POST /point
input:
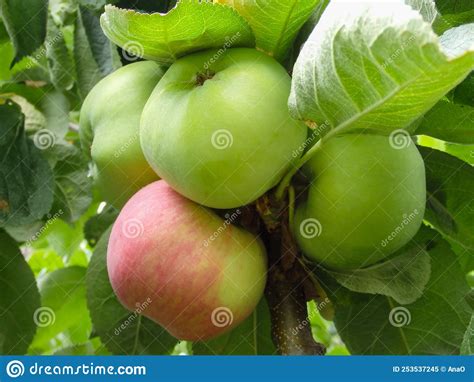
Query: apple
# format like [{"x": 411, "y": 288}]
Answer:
[
  {"x": 109, "y": 130},
  {"x": 365, "y": 201},
  {"x": 217, "y": 126},
  {"x": 190, "y": 271}
]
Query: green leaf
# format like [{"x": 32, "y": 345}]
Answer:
[
  {"x": 25, "y": 22},
  {"x": 26, "y": 180},
  {"x": 426, "y": 8},
  {"x": 92, "y": 347},
  {"x": 73, "y": 187},
  {"x": 467, "y": 346},
  {"x": 64, "y": 308},
  {"x": 251, "y": 337},
  {"x": 18, "y": 301},
  {"x": 456, "y": 41},
  {"x": 189, "y": 27},
  {"x": 450, "y": 203},
  {"x": 121, "y": 331},
  {"x": 375, "y": 68},
  {"x": 449, "y": 122},
  {"x": 434, "y": 324},
  {"x": 275, "y": 23},
  {"x": 104, "y": 53},
  {"x": 464, "y": 92},
  {"x": 59, "y": 61},
  {"x": 450, "y": 6},
  {"x": 87, "y": 69},
  {"x": 403, "y": 277},
  {"x": 98, "y": 224},
  {"x": 445, "y": 22}
]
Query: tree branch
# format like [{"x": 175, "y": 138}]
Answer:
[{"x": 287, "y": 284}]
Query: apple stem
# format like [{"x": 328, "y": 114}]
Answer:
[
  {"x": 285, "y": 182},
  {"x": 287, "y": 284}
]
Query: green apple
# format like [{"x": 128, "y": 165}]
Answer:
[
  {"x": 217, "y": 126},
  {"x": 192, "y": 272},
  {"x": 366, "y": 200},
  {"x": 109, "y": 130}
]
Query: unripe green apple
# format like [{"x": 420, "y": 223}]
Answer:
[
  {"x": 109, "y": 131},
  {"x": 217, "y": 126},
  {"x": 190, "y": 271},
  {"x": 365, "y": 201}
]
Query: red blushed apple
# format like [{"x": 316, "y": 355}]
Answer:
[{"x": 182, "y": 266}]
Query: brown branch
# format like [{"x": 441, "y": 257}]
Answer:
[{"x": 287, "y": 284}]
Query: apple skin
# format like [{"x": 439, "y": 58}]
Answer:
[
  {"x": 109, "y": 130},
  {"x": 222, "y": 141},
  {"x": 362, "y": 189},
  {"x": 160, "y": 249}
]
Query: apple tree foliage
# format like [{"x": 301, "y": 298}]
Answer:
[{"x": 364, "y": 67}]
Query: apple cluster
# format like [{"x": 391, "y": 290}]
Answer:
[{"x": 169, "y": 148}]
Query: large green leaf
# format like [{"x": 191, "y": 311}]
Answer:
[
  {"x": 367, "y": 66},
  {"x": 93, "y": 56},
  {"x": 275, "y": 23},
  {"x": 59, "y": 61},
  {"x": 25, "y": 21},
  {"x": 19, "y": 299},
  {"x": 449, "y": 122},
  {"x": 403, "y": 277},
  {"x": 26, "y": 180},
  {"x": 434, "y": 324},
  {"x": 189, "y": 27},
  {"x": 121, "y": 331},
  {"x": 64, "y": 308},
  {"x": 251, "y": 337},
  {"x": 467, "y": 346},
  {"x": 450, "y": 204},
  {"x": 73, "y": 186}
]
